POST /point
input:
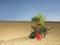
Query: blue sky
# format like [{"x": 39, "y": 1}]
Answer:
[{"x": 24, "y": 10}]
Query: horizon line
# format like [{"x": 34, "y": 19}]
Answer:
[{"x": 21, "y": 21}]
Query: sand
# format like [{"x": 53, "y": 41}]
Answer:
[{"x": 16, "y": 33}]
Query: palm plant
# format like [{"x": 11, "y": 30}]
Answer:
[
  {"x": 39, "y": 22},
  {"x": 40, "y": 19}
]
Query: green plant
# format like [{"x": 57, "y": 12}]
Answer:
[
  {"x": 39, "y": 22},
  {"x": 40, "y": 19}
]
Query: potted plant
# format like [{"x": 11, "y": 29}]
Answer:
[{"x": 38, "y": 28}]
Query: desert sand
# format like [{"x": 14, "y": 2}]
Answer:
[{"x": 16, "y": 33}]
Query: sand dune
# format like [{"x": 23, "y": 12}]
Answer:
[{"x": 16, "y": 33}]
